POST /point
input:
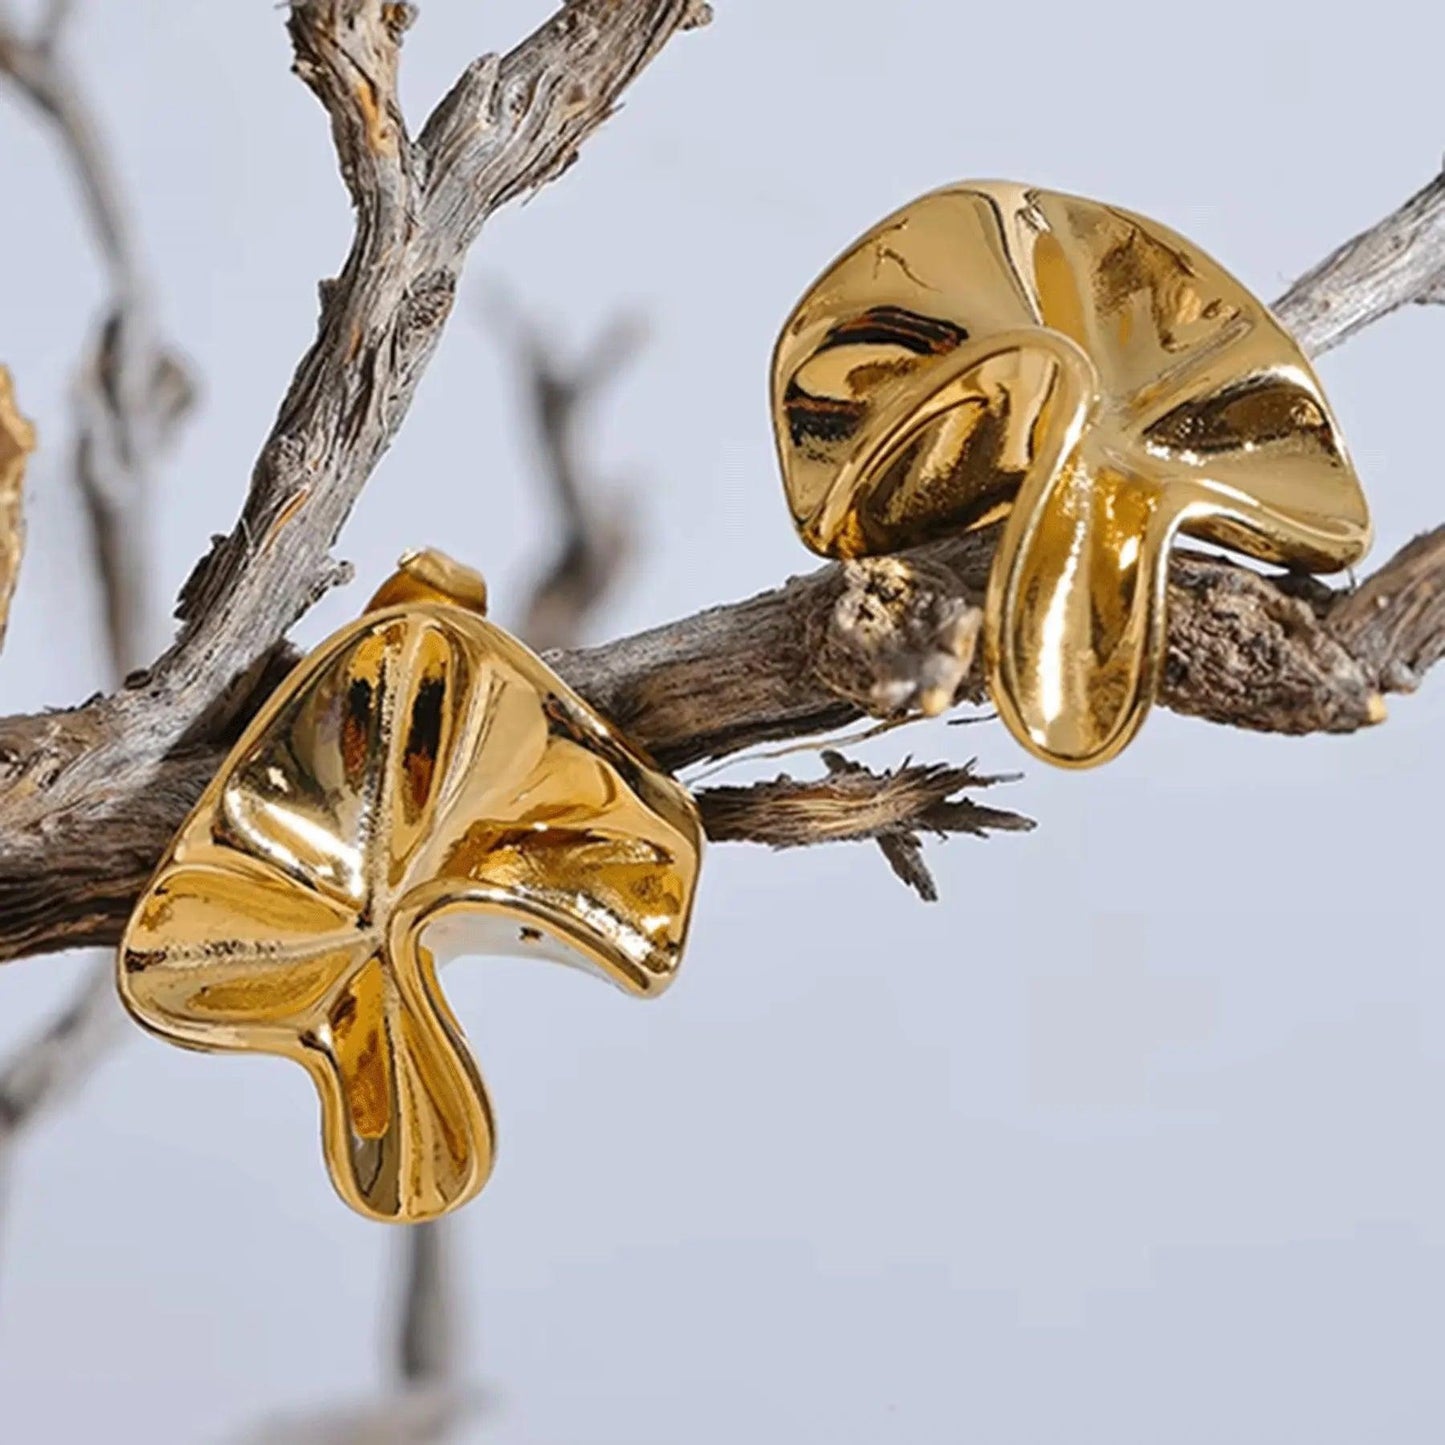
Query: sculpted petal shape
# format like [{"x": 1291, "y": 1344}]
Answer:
[
  {"x": 999, "y": 351},
  {"x": 421, "y": 786}
]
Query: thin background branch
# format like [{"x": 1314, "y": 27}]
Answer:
[
  {"x": 596, "y": 523},
  {"x": 132, "y": 389},
  {"x": 595, "y": 541},
  {"x": 431, "y": 1396},
  {"x": 129, "y": 397}
]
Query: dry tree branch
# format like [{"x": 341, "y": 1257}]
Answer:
[
  {"x": 1399, "y": 262},
  {"x": 1243, "y": 650},
  {"x": 89, "y": 797},
  {"x": 854, "y": 804},
  {"x": 508, "y": 126},
  {"x": 129, "y": 397}
]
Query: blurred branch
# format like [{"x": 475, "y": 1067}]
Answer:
[
  {"x": 428, "y": 1401},
  {"x": 37, "y": 66},
  {"x": 595, "y": 536},
  {"x": 595, "y": 543},
  {"x": 47, "y": 1069},
  {"x": 416, "y": 1418},
  {"x": 129, "y": 397},
  {"x": 427, "y": 1352},
  {"x": 132, "y": 390}
]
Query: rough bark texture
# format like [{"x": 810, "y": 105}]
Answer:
[
  {"x": 508, "y": 126},
  {"x": 1243, "y": 650},
  {"x": 89, "y": 796},
  {"x": 853, "y": 804}
]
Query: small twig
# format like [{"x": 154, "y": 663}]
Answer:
[{"x": 853, "y": 804}]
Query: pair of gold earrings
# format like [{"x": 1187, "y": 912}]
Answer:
[{"x": 423, "y": 785}]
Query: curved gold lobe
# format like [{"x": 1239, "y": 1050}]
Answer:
[
  {"x": 421, "y": 786},
  {"x": 426, "y": 575},
  {"x": 992, "y": 350}
]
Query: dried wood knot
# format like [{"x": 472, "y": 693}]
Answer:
[{"x": 901, "y": 637}]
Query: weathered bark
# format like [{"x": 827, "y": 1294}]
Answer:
[{"x": 90, "y": 796}]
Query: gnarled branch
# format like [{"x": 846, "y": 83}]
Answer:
[
  {"x": 418, "y": 204},
  {"x": 1243, "y": 650},
  {"x": 89, "y": 797}
]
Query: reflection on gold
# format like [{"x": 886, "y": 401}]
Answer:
[
  {"x": 995, "y": 349},
  {"x": 420, "y": 781}
]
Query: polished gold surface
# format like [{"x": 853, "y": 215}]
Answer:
[
  {"x": 998, "y": 350},
  {"x": 421, "y": 786}
]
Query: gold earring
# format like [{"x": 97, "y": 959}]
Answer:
[
  {"x": 999, "y": 351},
  {"x": 420, "y": 785}
]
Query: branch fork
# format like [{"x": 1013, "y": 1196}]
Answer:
[{"x": 90, "y": 796}]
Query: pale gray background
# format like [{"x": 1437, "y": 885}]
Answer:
[{"x": 1133, "y": 1139}]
